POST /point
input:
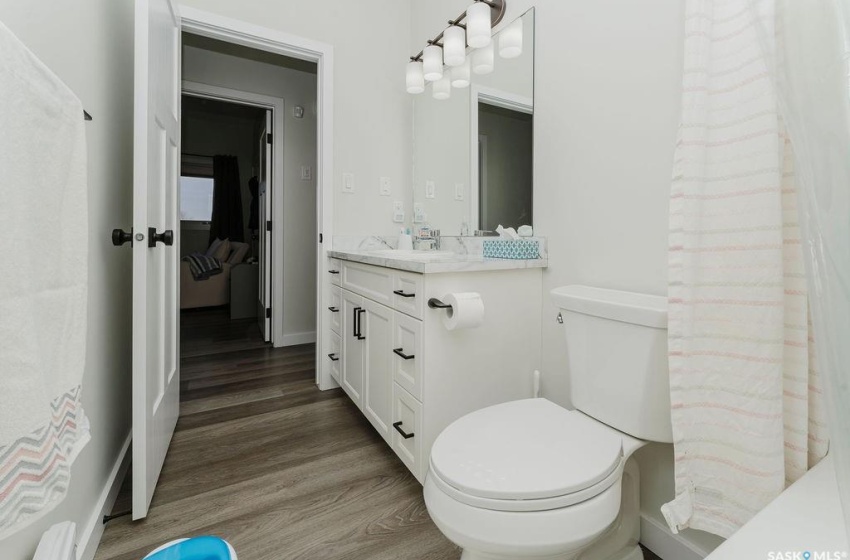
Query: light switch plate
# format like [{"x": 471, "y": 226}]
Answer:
[
  {"x": 306, "y": 173},
  {"x": 386, "y": 186},
  {"x": 419, "y": 215},
  {"x": 430, "y": 189},
  {"x": 458, "y": 191},
  {"x": 348, "y": 182}
]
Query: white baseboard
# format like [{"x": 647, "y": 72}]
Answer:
[
  {"x": 297, "y": 338},
  {"x": 657, "y": 537},
  {"x": 93, "y": 531}
]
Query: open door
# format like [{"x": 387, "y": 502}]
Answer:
[
  {"x": 264, "y": 303},
  {"x": 156, "y": 151}
]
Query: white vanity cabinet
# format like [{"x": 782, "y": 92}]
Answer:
[{"x": 408, "y": 374}]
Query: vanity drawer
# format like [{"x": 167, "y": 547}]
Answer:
[
  {"x": 334, "y": 310},
  {"x": 407, "y": 431},
  {"x": 409, "y": 354},
  {"x": 409, "y": 293},
  {"x": 373, "y": 282},
  {"x": 334, "y": 271},
  {"x": 335, "y": 355}
]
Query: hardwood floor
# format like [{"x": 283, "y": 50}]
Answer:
[
  {"x": 281, "y": 470},
  {"x": 278, "y": 468}
]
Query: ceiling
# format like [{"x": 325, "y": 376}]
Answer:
[{"x": 222, "y": 47}]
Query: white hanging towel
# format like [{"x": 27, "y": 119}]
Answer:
[
  {"x": 43, "y": 285},
  {"x": 747, "y": 418}
]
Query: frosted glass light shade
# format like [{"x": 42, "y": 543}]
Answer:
[
  {"x": 478, "y": 28},
  {"x": 454, "y": 46},
  {"x": 432, "y": 63},
  {"x": 442, "y": 88},
  {"x": 483, "y": 60},
  {"x": 461, "y": 77},
  {"x": 510, "y": 40},
  {"x": 415, "y": 77}
]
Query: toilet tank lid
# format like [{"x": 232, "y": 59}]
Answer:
[{"x": 628, "y": 307}]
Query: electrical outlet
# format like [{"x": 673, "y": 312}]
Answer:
[
  {"x": 430, "y": 189},
  {"x": 348, "y": 182},
  {"x": 398, "y": 206},
  {"x": 458, "y": 191},
  {"x": 419, "y": 215},
  {"x": 306, "y": 173},
  {"x": 386, "y": 186}
]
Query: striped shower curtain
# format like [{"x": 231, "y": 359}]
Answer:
[{"x": 746, "y": 397}]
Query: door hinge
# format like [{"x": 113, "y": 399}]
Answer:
[
  {"x": 268, "y": 313},
  {"x": 268, "y": 225},
  {"x": 321, "y": 237},
  {"x": 269, "y": 137}
]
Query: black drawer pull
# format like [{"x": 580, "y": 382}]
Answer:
[
  {"x": 405, "y": 435},
  {"x": 333, "y": 272},
  {"x": 402, "y": 294},
  {"x": 333, "y": 357},
  {"x": 333, "y": 309},
  {"x": 400, "y": 353}
]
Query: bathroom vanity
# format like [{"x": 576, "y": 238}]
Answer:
[{"x": 394, "y": 357}]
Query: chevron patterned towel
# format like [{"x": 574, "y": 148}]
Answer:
[{"x": 43, "y": 289}]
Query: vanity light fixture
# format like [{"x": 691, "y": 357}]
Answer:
[
  {"x": 449, "y": 47},
  {"x": 432, "y": 63},
  {"x": 483, "y": 60},
  {"x": 461, "y": 77},
  {"x": 415, "y": 77},
  {"x": 510, "y": 40}
]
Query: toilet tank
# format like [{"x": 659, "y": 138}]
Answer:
[{"x": 617, "y": 358}]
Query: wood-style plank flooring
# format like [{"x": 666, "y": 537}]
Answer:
[{"x": 281, "y": 470}]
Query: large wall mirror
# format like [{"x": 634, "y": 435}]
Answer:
[{"x": 473, "y": 152}]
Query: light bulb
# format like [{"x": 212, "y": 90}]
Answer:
[
  {"x": 483, "y": 60},
  {"x": 478, "y": 25},
  {"x": 432, "y": 63},
  {"x": 510, "y": 40},
  {"x": 415, "y": 78},
  {"x": 454, "y": 46}
]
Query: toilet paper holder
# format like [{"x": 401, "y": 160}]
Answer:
[{"x": 434, "y": 303}]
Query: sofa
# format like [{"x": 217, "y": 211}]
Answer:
[{"x": 215, "y": 290}]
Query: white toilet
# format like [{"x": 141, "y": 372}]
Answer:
[{"x": 530, "y": 479}]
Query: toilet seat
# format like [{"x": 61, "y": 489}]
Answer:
[{"x": 527, "y": 455}]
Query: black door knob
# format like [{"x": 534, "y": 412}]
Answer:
[
  {"x": 166, "y": 237},
  {"x": 120, "y": 237}
]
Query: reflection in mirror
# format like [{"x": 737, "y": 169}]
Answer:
[{"x": 461, "y": 185}]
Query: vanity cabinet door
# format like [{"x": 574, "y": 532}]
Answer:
[
  {"x": 353, "y": 344},
  {"x": 377, "y": 394}
]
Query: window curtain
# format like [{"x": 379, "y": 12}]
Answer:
[
  {"x": 227, "y": 200},
  {"x": 808, "y": 44},
  {"x": 746, "y": 392}
]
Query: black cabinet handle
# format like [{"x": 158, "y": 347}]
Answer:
[
  {"x": 333, "y": 309},
  {"x": 356, "y": 331},
  {"x": 333, "y": 272},
  {"x": 402, "y": 294},
  {"x": 360, "y": 335},
  {"x": 405, "y": 435},
  {"x": 400, "y": 352},
  {"x": 333, "y": 357}
]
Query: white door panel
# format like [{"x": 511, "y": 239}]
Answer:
[{"x": 156, "y": 366}]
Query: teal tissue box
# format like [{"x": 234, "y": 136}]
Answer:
[{"x": 521, "y": 249}]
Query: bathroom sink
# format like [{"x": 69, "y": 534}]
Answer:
[{"x": 413, "y": 255}]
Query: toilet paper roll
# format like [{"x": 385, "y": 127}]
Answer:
[{"x": 467, "y": 311}]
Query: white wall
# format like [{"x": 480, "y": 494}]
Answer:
[
  {"x": 299, "y": 141},
  {"x": 372, "y": 116},
  {"x": 607, "y": 95},
  {"x": 88, "y": 44}
]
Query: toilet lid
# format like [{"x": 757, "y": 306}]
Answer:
[{"x": 525, "y": 450}]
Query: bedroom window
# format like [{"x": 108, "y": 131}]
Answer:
[{"x": 196, "y": 198}]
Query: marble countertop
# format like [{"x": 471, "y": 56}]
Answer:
[{"x": 448, "y": 263}]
